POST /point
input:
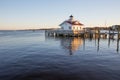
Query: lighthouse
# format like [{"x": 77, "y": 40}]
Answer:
[{"x": 71, "y": 24}]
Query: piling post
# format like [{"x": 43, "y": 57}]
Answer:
[
  {"x": 118, "y": 29},
  {"x": 109, "y": 32}
]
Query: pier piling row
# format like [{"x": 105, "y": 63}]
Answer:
[{"x": 70, "y": 33}]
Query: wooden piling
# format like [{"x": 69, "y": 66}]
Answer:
[{"x": 84, "y": 34}]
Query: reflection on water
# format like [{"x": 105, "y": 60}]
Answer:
[
  {"x": 98, "y": 42},
  {"x": 117, "y": 45},
  {"x": 72, "y": 44}
]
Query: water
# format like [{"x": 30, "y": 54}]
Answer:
[{"x": 28, "y": 55}]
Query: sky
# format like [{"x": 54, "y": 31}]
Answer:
[{"x": 35, "y": 14}]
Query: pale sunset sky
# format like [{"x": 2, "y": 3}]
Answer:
[{"x": 35, "y": 14}]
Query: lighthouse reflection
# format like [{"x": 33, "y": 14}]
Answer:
[{"x": 71, "y": 44}]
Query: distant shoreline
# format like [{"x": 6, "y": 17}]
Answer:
[{"x": 31, "y": 29}]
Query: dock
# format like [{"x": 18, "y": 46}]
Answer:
[
  {"x": 77, "y": 33},
  {"x": 82, "y": 33}
]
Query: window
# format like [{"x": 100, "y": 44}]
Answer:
[
  {"x": 69, "y": 27},
  {"x": 62, "y": 27},
  {"x": 73, "y": 27},
  {"x": 77, "y": 28}
]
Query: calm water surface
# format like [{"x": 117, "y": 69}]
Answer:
[{"x": 28, "y": 55}]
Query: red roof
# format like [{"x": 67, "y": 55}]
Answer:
[{"x": 74, "y": 23}]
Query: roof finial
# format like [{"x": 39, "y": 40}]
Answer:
[
  {"x": 71, "y": 18},
  {"x": 71, "y": 15}
]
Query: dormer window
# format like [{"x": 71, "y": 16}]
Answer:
[
  {"x": 69, "y": 27},
  {"x": 76, "y": 22}
]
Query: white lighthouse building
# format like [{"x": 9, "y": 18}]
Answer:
[{"x": 71, "y": 24}]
